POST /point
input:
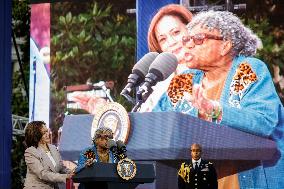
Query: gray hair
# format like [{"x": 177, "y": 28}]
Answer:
[
  {"x": 244, "y": 41},
  {"x": 100, "y": 131}
]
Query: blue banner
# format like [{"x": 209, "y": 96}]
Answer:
[{"x": 5, "y": 99}]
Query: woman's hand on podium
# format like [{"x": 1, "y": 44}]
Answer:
[{"x": 90, "y": 162}]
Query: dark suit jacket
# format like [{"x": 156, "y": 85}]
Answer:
[
  {"x": 204, "y": 177},
  {"x": 40, "y": 171}
]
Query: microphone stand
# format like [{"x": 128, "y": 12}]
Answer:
[
  {"x": 128, "y": 97},
  {"x": 131, "y": 82},
  {"x": 145, "y": 89},
  {"x": 141, "y": 98},
  {"x": 137, "y": 106},
  {"x": 102, "y": 86},
  {"x": 107, "y": 92}
]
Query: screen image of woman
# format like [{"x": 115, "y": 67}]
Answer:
[
  {"x": 165, "y": 33},
  {"x": 235, "y": 89}
]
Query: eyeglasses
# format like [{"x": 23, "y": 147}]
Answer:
[{"x": 199, "y": 38}]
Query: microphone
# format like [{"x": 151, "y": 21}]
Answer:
[
  {"x": 112, "y": 146},
  {"x": 121, "y": 146},
  {"x": 103, "y": 86},
  {"x": 121, "y": 149},
  {"x": 161, "y": 68},
  {"x": 118, "y": 148},
  {"x": 139, "y": 71}
]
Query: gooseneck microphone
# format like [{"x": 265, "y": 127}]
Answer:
[
  {"x": 139, "y": 71},
  {"x": 161, "y": 68},
  {"x": 112, "y": 146},
  {"x": 118, "y": 148},
  {"x": 121, "y": 150}
]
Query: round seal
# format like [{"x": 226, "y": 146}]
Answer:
[
  {"x": 114, "y": 116},
  {"x": 126, "y": 169}
]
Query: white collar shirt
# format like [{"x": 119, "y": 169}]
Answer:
[{"x": 194, "y": 162}]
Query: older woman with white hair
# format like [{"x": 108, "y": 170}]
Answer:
[
  {"x": 99, "y": 152},
  {"x": 235, "y": 90}
]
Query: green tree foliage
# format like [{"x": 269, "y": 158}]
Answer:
[
  {"x": 93, "y": 43},
  {"x": 96, "y": 44},
  {"x": 272, "y": 52},
  {"x": 20, "y": 27}
]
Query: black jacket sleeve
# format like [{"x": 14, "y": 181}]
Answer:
[{"x": 181, "y": 183}]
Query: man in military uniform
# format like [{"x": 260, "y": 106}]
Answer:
[{"x": 197, "y": 173}]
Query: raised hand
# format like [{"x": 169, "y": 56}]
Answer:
[{"x": 88, "y": 102}]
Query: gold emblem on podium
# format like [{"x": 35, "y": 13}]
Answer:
[
  {"x": 126, "y": 169},
  {"x": 114, "y": 116}
]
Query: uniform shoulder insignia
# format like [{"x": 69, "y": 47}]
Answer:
[
  {"x": 182, "y": 165},
  {"x": 184, "y": 172}
]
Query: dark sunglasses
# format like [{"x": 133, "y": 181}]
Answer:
[{"x": 199, "y": 38}]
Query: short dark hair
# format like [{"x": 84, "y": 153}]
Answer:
[{"x": 33, "y": 133}]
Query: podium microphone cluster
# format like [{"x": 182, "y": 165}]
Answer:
[
  {"x": 118, "y": 148},
  {"x": 137, "y": 76},
  {"x": 160, "y": 69}
]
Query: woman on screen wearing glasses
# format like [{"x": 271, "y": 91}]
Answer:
[{"x": 236, "y": 89}]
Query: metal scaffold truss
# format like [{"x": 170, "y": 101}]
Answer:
[{"x": 19, "y": 123}]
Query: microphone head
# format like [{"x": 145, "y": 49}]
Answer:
[
  {"x": 164, "y": 65},
  {"x": 111, "y": 144},
  {"x": 121, "y": 149},
  {"x": 142, "y": 66},
  {"x": 120, "y": 144}
]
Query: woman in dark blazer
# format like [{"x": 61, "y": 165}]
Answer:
[{"x": 44, "y": 165}]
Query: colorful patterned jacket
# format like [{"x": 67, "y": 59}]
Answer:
[{"x": 91, "y": 153}]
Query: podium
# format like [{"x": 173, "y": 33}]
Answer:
[
  {"x": 163, "y": 138},
  {"x": 104, "y": 176}
]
